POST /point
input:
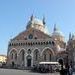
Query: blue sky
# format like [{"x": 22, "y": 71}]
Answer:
[{"x": 14, "y": 15}]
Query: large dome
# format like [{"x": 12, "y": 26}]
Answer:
[
  {"x": 36, "y": 24},
  {"x": 36, "y": 21}
]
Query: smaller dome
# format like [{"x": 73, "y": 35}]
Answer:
[{"x": 56, "y": 32}]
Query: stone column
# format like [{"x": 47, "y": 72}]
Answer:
[
  {"x": 32, "y": 59},
  {"x": 25, "y": 60}
]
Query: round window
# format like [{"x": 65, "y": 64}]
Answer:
[{"x": 30, "y": 36}]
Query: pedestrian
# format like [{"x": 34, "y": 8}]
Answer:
[
  {"x": 70, "y": 70},
  {"x": 61, "y": 70}
]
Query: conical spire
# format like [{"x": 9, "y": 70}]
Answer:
[
  {"x": 32, "y": 17},
  {"x": 55, "y": 28},
  {"x": 70, "y": 36}
]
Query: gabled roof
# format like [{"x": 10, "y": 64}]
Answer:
[{"x": 36, "y": 33}]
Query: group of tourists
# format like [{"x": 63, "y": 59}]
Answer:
[
  {"x": 66, "y": 70},
  {"x": 44, "y": 67}
]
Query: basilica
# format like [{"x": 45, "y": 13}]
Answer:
[{"x": 34, "y": 45}]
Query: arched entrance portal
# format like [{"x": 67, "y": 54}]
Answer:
[
  {"x": 13, "y": 64},
  {"x": 22, "y": 58},
  {"x": 36, "y": 57},
  {"x": 13, "y": 57},
  {"x": 47, "y": 55},
  {"x": 29, "y": 61},
  {"x": 60, "y": 60}
]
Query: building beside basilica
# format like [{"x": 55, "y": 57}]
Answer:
[
  {"x": 70, "y": 49},
  {"x": 34, "y": 45}
]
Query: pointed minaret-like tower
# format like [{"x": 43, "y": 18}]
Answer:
[
  {"x": 29, "y": 25},
  {"x": 70, "y": 36},
  {"x": 32, "y": 17},
  {"x": 55, "y": 28},
  {"x": 43, "y": 20}
]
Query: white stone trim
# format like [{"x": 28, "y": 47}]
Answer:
[
  {"x": 12, "y": 50},
  {"x": 49, "y": 49},
  {"x": 60, "y": 58},
  {"x": 21, "y": 50},
  {"x": 35, "y": 49}
]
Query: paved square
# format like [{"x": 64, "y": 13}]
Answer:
[{"x": 21, "y": 72}]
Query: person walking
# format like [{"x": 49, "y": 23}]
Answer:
[{"x": 70, "y": 70}]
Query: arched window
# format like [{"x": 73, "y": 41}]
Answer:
[
  {"x": 35, "y": 38},
  {"x": 36, "y": 54},
  {"x": 22, "y": 53},
  {"x": 49, "y": 57},
  {"x": 44, "y": 57},
  {"x": 49, "y": 42},
  {"x": 28, "y": 43},
  {"x": 44, "y": 42},
  {"x": 53, "y": 43},
  {"x": 23, "y": 44},
  {"x": 12, "y": 56},
  {"x": 31, "y": 43},
  {"x": 19, "y": 44},
  {"x": 36, "y": 43},
  {"x": 10, "y": 44},
  {"x": 15, "y": 56}
]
